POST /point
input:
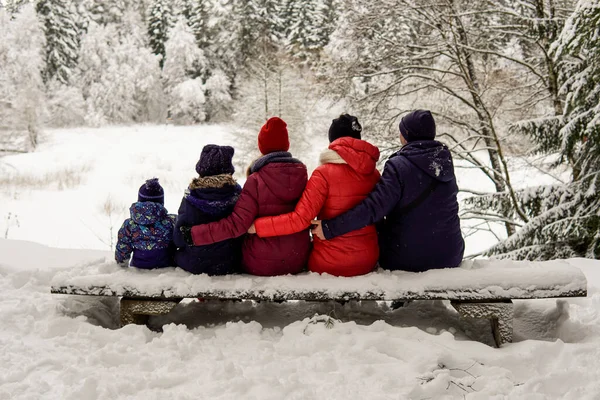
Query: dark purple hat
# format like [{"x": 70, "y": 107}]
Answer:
[
  {"x": 344, "y": 126},
  {"x": 152, "y": 191},
  {"x": 418, "y": 125},
  {"x": 215, "y": 160}
]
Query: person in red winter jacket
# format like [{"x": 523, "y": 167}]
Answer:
[
  {"x": 346, "y": 176},
  {"x": 275, "y": 183}
]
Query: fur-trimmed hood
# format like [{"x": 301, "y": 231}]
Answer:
[
  {"x": 361, "y": 156},
  {"x": 329, "y": 156},
  {"x": 213, "y": 195},
  {"x": 214, "y": 181}
]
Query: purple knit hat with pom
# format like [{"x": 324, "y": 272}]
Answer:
[
  {"x": 215, "y": 160},
  {"x": 152, "y": 191}
]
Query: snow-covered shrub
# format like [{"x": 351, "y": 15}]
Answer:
[
  {"x": 187, "y": 102},
  {"x": 218, "y": 93},
  {"x": 66, "y": 106}
]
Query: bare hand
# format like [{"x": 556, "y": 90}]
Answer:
[
  {"x": 317, "y": 229},
  {"x": 252, "y": 229}
]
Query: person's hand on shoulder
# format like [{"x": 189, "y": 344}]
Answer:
[{"x": 317, "y": 229}]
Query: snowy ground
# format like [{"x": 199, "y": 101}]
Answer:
[
  {"x": 79, "y": 184},
  {"x": 68, "y": 347}
]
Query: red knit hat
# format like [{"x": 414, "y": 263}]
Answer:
[{"x": 273, "y": 136}]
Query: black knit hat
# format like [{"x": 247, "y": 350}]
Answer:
[
  {"x": 151, "y": 191},
  {"x": 418, "y": 125},
  {"x": 344, "y": 126},
  {"x": 215, "y": 160}
]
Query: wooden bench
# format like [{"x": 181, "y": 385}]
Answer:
[{"x": 478, "y": 289}]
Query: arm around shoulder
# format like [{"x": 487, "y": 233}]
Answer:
[
  {"x": 307, "y": 208},
  {"x": 236, "y": 224},
  {"x": 374, "y": 208}
]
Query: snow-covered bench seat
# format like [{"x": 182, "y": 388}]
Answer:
[{"x": 478, "y": 289}]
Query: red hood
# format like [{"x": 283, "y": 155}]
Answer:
[{"x": 361, "y": 156}]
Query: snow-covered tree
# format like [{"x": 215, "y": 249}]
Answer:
[
  {"x": 187, "y": 102},
  {"x": 119, "y": 77},
  {"x": 66, "y": 105},
  {"x": 565, "y": 219},
  {"x": 62, "y": 38},
  {"x": 160, "y": 21},
  {"x": 310, "y": 24},
  {"x": 198, "y": 22},
  {"x": 218, "y": 96},
  {"x": 104, "y": 12},
  {"x": 22, "y": 100},
  {"x": 396, "y": 55},
  {"x": 183, "y": 69},
  {"x": 13, "y": 6},
  {"x": 259, "y": 28}
]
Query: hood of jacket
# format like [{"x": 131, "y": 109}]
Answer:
[
  {"x": 147, "y": 212},
  {"x": 284, "y": 175},
  {"x": 361, "y": 156},
  {"x": 431, "y": 157},
  {"x": 213, "y": 195}
]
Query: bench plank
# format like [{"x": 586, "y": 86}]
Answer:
[{"x": 475, "y": 280}]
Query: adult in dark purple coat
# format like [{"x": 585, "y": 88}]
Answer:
[
  {"x": 415, "y": 203},
  {"x": 274, "y": 185},
  {"x": 209, "y": 197}
]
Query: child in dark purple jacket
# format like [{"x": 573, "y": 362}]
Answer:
[
  {"x": 209, "y": 197},
  {"x": 148, "y": 233}
]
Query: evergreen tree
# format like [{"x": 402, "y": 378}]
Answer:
[
  {"x": 104, "y": 12},
  {"x": 160, "y": 17},
  {"x": 198, "y": 22},
  {"x": 310, "y": 24},
  {"x": 565, "y": 218},
  {"x": 62, "y": 38}
]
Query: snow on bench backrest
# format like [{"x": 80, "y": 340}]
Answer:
[{"x": 474, "y": 280}]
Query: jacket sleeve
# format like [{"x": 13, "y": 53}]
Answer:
[
  {"x": 124, "y": 244},
  {"x": 380, "y": 202},
  {"x": 236, "y": 224},
  {"x": 307, "y": 208},
  {"x": 177, "y": 235}
]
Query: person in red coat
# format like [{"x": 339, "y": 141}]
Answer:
[
  {"x": 346, "y": 176},
  {"x": 275, "y": 183}
]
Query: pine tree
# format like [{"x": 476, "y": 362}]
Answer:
[
  {"x": 198, "y": 22},
  {"x": 104, "y": 12},
  {"x": 160, "y": 20},
  {"x": 566, "y": 218},
  {"x": 310, "y": 24},
  {"x": 62, "y": 38}
]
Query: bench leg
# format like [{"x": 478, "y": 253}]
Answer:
[
  {"x": 500, "y": 315},
  {"x": 134, "y": 311}
]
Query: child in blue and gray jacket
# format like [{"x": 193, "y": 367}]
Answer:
[{"x": 148, "y": 234}]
